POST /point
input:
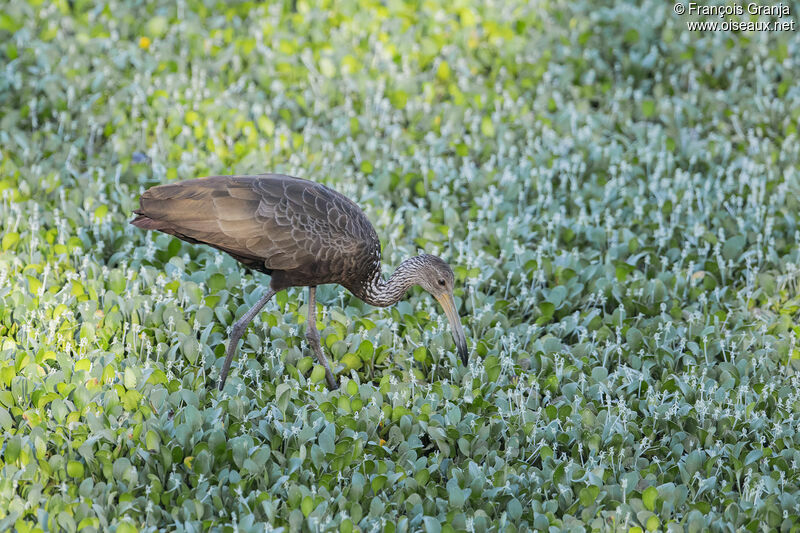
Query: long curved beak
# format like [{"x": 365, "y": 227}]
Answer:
[{"x": 449, "y": 305}]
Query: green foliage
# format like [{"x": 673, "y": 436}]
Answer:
[{"x": 618, "y": 197}]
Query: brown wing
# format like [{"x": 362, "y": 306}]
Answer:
[{"x": 268, "y": 222}]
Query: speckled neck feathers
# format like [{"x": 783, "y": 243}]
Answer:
[{"x": 383, "y": 293}]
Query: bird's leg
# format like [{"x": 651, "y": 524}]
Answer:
[
  {"x": 238, "y": 331},
  {"x": 313, "y": 338}
]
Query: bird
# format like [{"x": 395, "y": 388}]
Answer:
[{"x": 300, "y": 233}]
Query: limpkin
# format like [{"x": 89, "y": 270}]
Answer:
[{"x": 299, "y": 232}]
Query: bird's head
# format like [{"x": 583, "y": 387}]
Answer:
[{"x": 435, "y": 276}]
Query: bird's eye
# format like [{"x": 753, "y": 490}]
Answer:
[{"x": 441, "y": 282}]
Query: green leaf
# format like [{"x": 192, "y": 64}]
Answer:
[
  {"x": 431, "y": 525},
  {"x": 545, "y": 452},
  {"x": 327, "y": 67},
  {"x": 733, "y": 247},
  {"x": 307, "y": 505},
  {"x": 318, "y": 374},
  {"x": 443, "y": 72},
  {"x": 649, "y": 497},
  {"x": 157, "y": 26},
  {"x": 377, "y": 483},
  {"x": 127, "y": 527},
  {"x": 492, "y": 365},
  {"x": 6, "y": 422},
  {"x": 130, "y": 379},
  {"x": 455, "y": 495},
  {"x": 514, "y": 509},
  {"x": 420, "y": 354},
  {"x": 217, "y": 282},
  {"x": 10, "y": 239},
  {"x": 327, "y": 438},
  {"x": 101, "y": 212},
  {"x": 13, "y": 448},
  {"x": 487, "y": 127},
  {"x": 588, "y": 495},
  {"x": 75, "y": 469},
  {"x": 634, "y": 338},
  {"x": 191, "y": 349},
  {"x": 349, "y": 360},
  {"x": 556, "y": 296},
  {"x": 152, "y": 441},
  {"x": 753, "y": 456}
]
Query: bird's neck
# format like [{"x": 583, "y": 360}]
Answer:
[{"x": 383, "y": 293}]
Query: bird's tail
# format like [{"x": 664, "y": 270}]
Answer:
[
  {"x": 177, "y": 208},
  {"x": 145, "y": 222},
  {"x": 218, "y": 211}
]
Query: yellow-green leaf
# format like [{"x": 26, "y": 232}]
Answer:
[
  {"x": 75, "y": 469},
  {"x": 10, "y": 239}
]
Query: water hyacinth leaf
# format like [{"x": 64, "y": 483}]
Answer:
[
  {"x": 75, "y": 469},
  {"x": 129, "y": 379},
  {"x": 126, "y": 527},
  {"x": 350, "y": 361},
  {"x": 588, "y": 495},
  {"x": 649, "y": 497},
  {"x": 6, "y": 422},
  {"x": 733, "y": 247},
  {"x": 377, "y": 483},
  {"x": 599, "y": 374},
  {"x": 547, "y": 309},
  {"x": 487, "y": 127},
  {"x": 217, "y": 282},
  {"x": 551, "y": 345},
  {"x": 492, "y": 366},
  {"x": 9, "y": 240},
  {"x": 443, "y": 72},
  {"x": 327, "y": 438},
  {"x": 239, "y": 449},
  {"x": 307, "y": 505},
  {"x": 514, "y": 509},
  {"x": 191, "y": 349},
  {"x": 317, "y": 374},
  {"x": 328, "y": 69},
  {"x": 454, "y": 494},
  {"x": 634, "y": 338},
  {"x": 13, "y": 448},
  {"x": 431, "y": 525},
  {"x": 100, "y": 212},
  {"x": 752, "y": 457},
  {"x": 556, "y": 296},
  {"x": 152, "y": 441},
  {"x": 157, "y": 26}
]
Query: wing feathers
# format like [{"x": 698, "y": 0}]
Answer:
[{"x": 281, "y": 222}]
